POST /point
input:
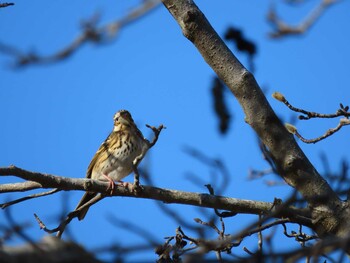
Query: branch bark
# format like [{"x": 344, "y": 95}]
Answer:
[
  {"x": 296, "y": 215},
  {"x": 330, "y": 214}
]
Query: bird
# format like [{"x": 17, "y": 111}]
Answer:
[{"x": 114, "y": 159}]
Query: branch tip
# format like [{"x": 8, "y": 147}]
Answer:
[
  {"x": 290, "y": 128},
  {"x": 278, "y": 96}
]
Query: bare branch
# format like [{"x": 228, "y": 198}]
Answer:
[
  {"x": 220, "y": 214},
  {"x": 342, "y": 111},
  {"x": 156, "y": 131},
  {"x": 60, "y": 229},
  {"x": 45, "y": 180},
  {"x": 329, "y": 212},
  {"x": 160, "y": 194},
  {"x": 2, "y": 5},
  {"x": 299, "y": 237},
  {"x": 222, "y": 244},
  {"x": 7, "y": 204},
  {"x": 19, "y": 187},
  {"x": 91, "y": 33},
  {"x": 329, "y": 132},
  {"x": 282, "y": 29}
]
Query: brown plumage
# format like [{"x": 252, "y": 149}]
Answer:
[{"x": 114, "y": 159}]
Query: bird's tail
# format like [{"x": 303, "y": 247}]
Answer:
[{"x": 86, "y": 198}]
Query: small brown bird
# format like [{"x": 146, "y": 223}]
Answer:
[{"x": 114, "y": 159}]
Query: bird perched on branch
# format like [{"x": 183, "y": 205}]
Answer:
[{"x": 114, "y": 160}]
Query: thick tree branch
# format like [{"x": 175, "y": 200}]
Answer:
[
  {"x": 165, "y": 195},
  {"x": 330, "y": 215},
  {"x": 45, "y": 180}
]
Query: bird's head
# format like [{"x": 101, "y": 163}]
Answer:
[{"x": 123, "y": 117}]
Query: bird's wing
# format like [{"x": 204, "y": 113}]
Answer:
[{"x": 106, "y": 149}]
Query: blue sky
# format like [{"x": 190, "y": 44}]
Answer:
[{"x": 54, "y": 117}]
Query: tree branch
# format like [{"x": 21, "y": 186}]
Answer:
[
  {"x": 307, "y": 115},
  {"x": 138, "y": 159},
  {"x": 19, "y": 187},
  {"x": 330, "y": 215},
  {"x": 168, "y": 196},
  {"x": 2, "y": 5},
  {"x": 329, "y": 132},
  {"x": 282, "y": 29},
  {"x": 91, "y": 33},
  {"x": 7, "y": 204}
]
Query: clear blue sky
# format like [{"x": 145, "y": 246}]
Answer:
[{"x": 54, "y": 117}]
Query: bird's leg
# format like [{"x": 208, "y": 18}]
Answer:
[{"x": 111, "y": 184}]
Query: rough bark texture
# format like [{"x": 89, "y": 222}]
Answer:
[
  {"x": 330, "y": 215},
  {"x": 236, "y": 205}
]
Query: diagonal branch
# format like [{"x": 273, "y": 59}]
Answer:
[
  {"x": 7, "y": 204},
  {"x": 2, "y": 5},
  {"x": 282, "y": 29},
  {"x": 330, "y": 214},
  {"x": 91, "y": 33}
]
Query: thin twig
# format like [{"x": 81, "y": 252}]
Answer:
[
  {"x": 60, "y": 229},
  {"x": 219, "y": 214},
  {"x": 282, "y": 29},
  {"x": 91, "y": 33},
  {"x": 156, "y": 131},
  {"x": 2, "y": 5},
  {"x": 310, "y": 114},
  {"x": 7, "y": 204},
  {"x": 260, "y": 237},
  {"x": 329, "y": 132},
  {"x": 342, "y": 111}
]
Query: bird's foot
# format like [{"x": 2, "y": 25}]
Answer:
[{"x": 111, "y": 184}]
